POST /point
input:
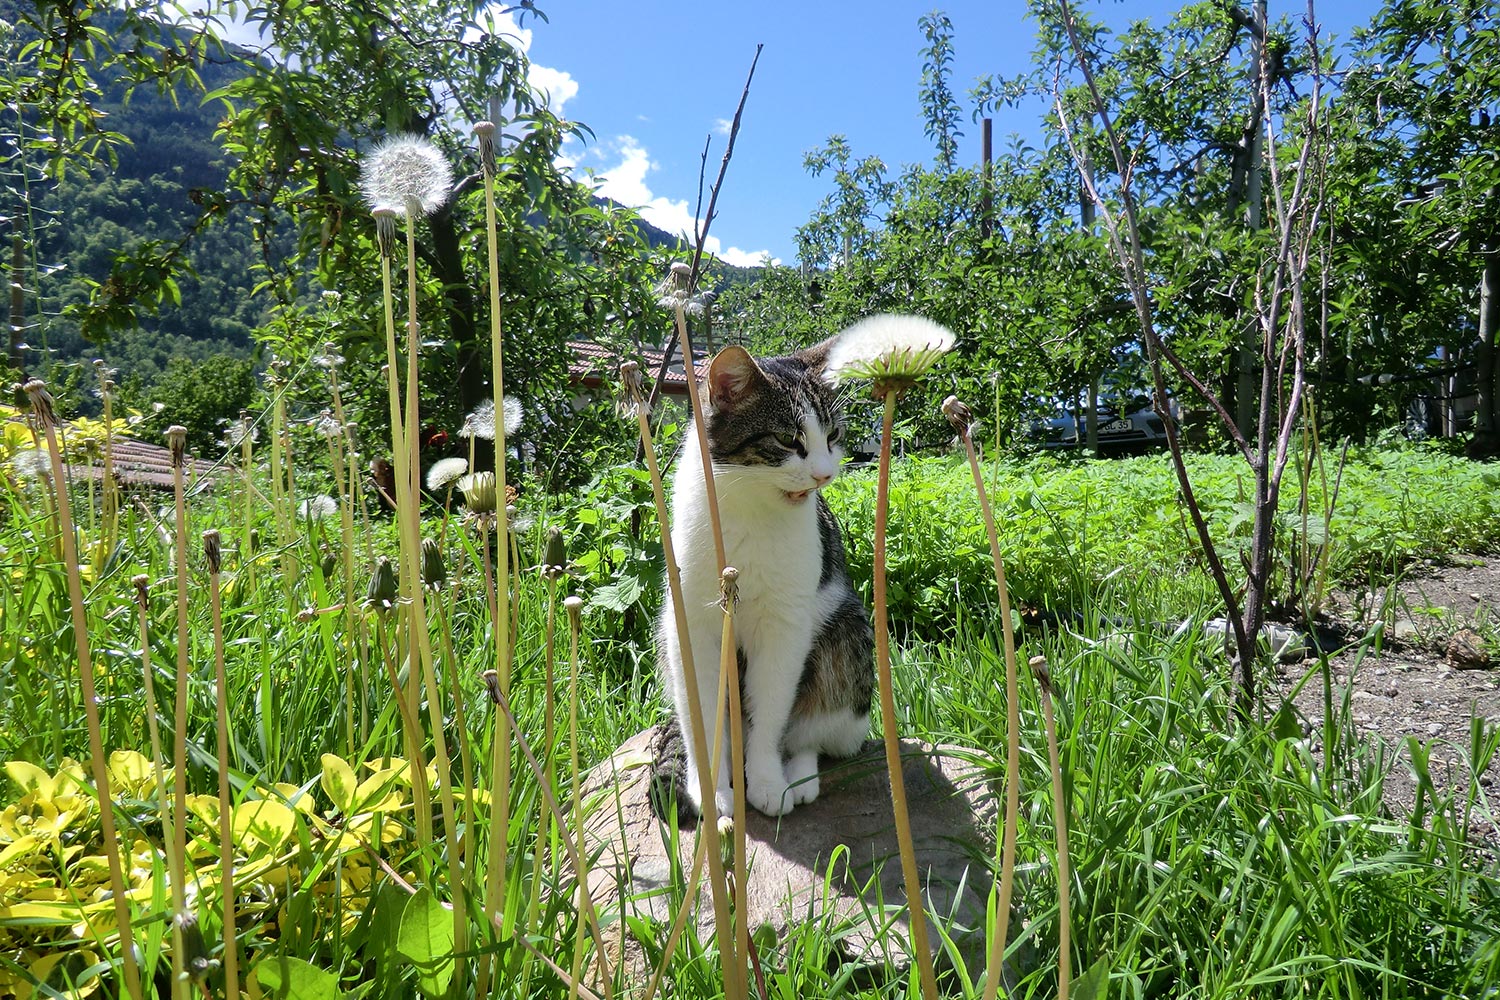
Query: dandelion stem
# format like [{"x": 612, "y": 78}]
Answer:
[
  {"x": 42, "y": 407},
  {"x": 922, "y": 954},
  {"x": 1060, "y": 823},
  {"x": 995, "y": 963},
  {"x": 709, "y": 828},
  {"x": 226, "y": 800}
]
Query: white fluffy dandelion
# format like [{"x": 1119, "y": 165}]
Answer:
[
  {"x": 445, "y": 472},
  {"x": 480, "y": 423},
  {"x": 316, "y": 508},
  {"x": 31, "y": 463},
  {"x": 891, "y": 349},
  {"x": 405, "y": 170}
]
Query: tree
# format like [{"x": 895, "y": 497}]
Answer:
[{"x": 1426, "y": 94}]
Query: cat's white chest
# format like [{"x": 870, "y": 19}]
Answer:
[{"x": 778, "y": 557}]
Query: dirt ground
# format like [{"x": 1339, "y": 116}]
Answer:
[{"x": 1420, "y": 681}]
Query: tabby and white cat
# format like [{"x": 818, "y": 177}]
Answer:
[{"x": 775, "y": 436}]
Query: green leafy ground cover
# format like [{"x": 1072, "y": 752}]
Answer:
[{"x": 1208, "y": 859}]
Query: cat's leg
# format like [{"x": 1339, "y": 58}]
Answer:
[
  {"x": 802, "y": 776},
  {"x": 775, "y": 663}
]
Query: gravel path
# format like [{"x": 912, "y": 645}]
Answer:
[{"x": 1434, "y": 669}]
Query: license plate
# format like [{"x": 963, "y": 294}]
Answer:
[{"x": 1120, "y": 426}]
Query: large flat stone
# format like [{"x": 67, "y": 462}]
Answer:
[{"x": 834, "y": 861}]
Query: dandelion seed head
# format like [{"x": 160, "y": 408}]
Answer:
[
  {"x": 405, "y": 171},
  {"x": 316, "y": 508},
  {"x": 445, "y": 472},
  {"x": 329, "y": 358},
  {"x": 514, "y": 413},
  {"x": 328, "y": 427},
  {"x": 480, "y": 422},
  {"x": 894, "y": 350},
  {"x": 31, "y": 463},
  {"x": 237, "y": 431}
]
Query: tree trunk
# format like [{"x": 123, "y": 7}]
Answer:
[
  {"x": 1093, "y": 417},
  {"x": 1486, "y": 442},
  {"x": 17, "y": 299},
  {"x": 1254, "y": 140}
]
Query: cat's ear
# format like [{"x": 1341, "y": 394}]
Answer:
[
  {"x": 816, "y": 356},
  {"x": 732, "y": 376}
]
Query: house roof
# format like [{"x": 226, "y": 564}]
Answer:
[
  {"x": 598, "y": 366},
  {"x": 141, "y": 463}
]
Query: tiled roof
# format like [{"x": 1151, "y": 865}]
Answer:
[
  {"x": 140, "y": 463},
  {"x": 595, "y": 365}
]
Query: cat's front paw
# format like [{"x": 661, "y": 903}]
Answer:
[
  {"x": 802, "y": 777},
  {"x": 769, "y": 794}
]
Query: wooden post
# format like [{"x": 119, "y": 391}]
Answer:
[{"x": 987, "y": 180}]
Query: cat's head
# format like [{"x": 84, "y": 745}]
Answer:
[{"x": 775, "y": 423}]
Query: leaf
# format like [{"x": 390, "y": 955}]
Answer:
[
  {"x": 618, "y": 596},
  {"x": 263, "y": 823},
  {"x": 339, "y": 783},
  {"x": 426, "y": 940},
  {"x": 1093, "y": 984},
  {"x": 1284, "y": 725},
  {"x": 293, "y": 979},
  {"x": 31, "y": 778}
]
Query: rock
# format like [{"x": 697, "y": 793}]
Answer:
[
  {"x": 953, "y": 809},
  {"x": 1465, "y": 650},
  {"x": 1283, "y": 642}
]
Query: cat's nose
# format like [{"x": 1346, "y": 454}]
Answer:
[{"x": 822, "y": 480}]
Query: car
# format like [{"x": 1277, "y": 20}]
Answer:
[{"x": 1125, "y": 424}]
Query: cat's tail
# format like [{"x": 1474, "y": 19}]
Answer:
[{"x": 669, "y": 791}]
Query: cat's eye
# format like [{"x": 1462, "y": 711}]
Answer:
[
  {"x": 835, "y": 434},
  {"x": 787, "y": 441}
]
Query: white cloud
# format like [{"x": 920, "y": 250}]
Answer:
[
  {"x": 558, "y": 86},
  {"x": 625, "y": 182},
  {"x": 722, "y": 126}
]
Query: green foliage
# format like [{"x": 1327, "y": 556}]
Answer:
[
  {"x": 1068, "y": 528},
  {"x": 1180, "y": 878},
  {"x": 201, "y": 396}
]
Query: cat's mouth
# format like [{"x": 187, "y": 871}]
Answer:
[{"x": 797, "y": 497}]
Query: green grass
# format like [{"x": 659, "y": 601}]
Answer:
[{"x": 1208, "y": 860}]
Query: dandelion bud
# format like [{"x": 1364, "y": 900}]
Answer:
[
  {"x": 381, "y": 595},
  {"x": 254, "y": 540},
  {"x": 177, "y": 444},
  {"x": 211, "y": 551},
  {"x": 41, "y": 402},
  {"x": 329, "y": 561},
  {"x": 479, "y": 492},
  {"x": 434, "y": 573},
  {"x": 632, "y": 401},
  {"x": 492, "y": 685},
  {"x": 1038, "y": 665},
  {"x": 385, "y": 230},
  {"x": 729, "y": 587},
  {"x": 485, "y": 133},
  {"x": 573, "y": 605},
  {"x": 959, "y": 415},
  {"x": 555, "y": 560},
  {"x": 142, "y": 583}
]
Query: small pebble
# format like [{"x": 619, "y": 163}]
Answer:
[
  {"x": 1434, "y": 728},
  {"x": 1392, "y": 691}
]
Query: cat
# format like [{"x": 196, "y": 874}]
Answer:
[{"x": 806, "y": 650}]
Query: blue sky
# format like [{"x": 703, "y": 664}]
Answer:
[{"x": 653, "y": 80}]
